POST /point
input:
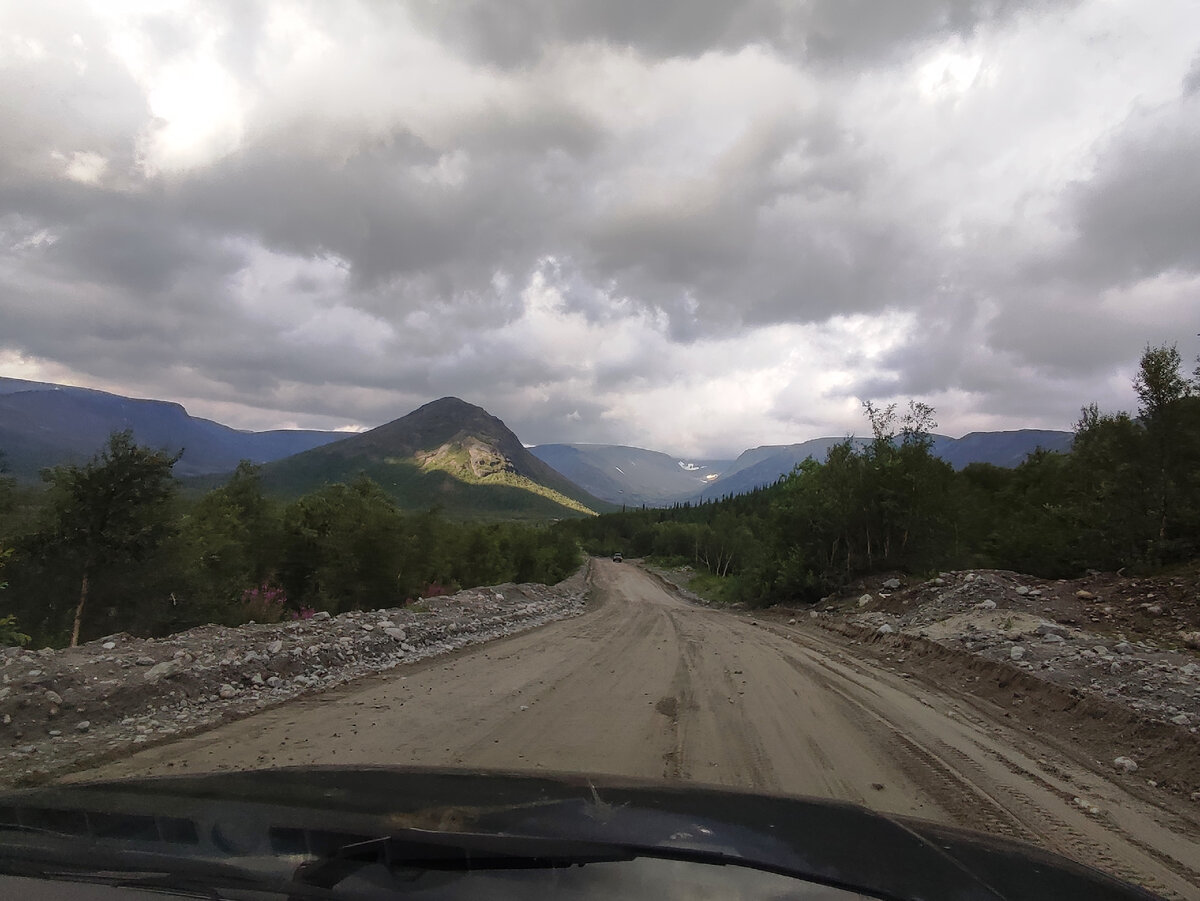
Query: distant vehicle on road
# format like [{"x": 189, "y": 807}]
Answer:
[{"x": 617, "y": 558}]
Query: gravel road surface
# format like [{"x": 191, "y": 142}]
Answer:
[{"x": 648, "y": 685}]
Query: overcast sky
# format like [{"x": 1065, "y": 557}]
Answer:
[{"x": 689, "y": 225}]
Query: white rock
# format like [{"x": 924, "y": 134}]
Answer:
[
  {"x": 892, "y": 584},
  {"x": 885, "y": 629},
  {"x": 812, "y": 614},
  {"x": 864, "y": 600},
  {"x": 1016, "y": 652},
  {"x": 227, "y": 691},
  {"x": 161, "y": 671},
  {"x": 1125, "y": 764},
  {"x": 1022, "y": 590},
  {"x": 397, "y": 634},
  {"x": 275, "y": 647},
  {"x": 321, "y": 615},
  {"x": 109, "y": 645},
  {"x": 986, "y": 605},
  {"x": 83, "y": 726},
  {"x": 54, "y": 698},
  {"x": 1181, "y": 719},
  {"x": 1054, "y": 638}
]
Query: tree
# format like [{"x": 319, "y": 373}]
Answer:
[
  {"x": 113, "y": 509},
  {"x": 343, "y": 548},
  {"x": 1159, "y": 382},
  {"x": 230, "y": 542},
  {"x": 9, "y": 633},
  {"x": 1160, "y": 387}
]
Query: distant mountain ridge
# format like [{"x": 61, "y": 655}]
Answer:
[
  {"x": 599, "y": 468},
  {"x": 448, "y": 453},
  {"x": 629, "y": 475},
  {"x": 43, "y": 425}
]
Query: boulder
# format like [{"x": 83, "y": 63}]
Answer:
[
  {"x": 1125, "y": 764},
  {"x": 162, "y": 670}
]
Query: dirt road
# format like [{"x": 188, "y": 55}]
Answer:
[{"x": 647, "y": 685}]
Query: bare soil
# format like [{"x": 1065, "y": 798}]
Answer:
[{"x": 648, "y": 684}]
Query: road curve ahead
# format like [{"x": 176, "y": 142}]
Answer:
[{"x": 648, "y": 685}]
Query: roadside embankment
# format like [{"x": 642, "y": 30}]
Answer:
[{"x": 62, "y": 708}]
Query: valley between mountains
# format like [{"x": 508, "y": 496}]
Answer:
[{"x": 646, "y": 683}]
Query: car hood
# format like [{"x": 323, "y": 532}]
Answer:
[{"x": 311, "y": 811}]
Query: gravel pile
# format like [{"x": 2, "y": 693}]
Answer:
[
  {"x": 1053, "y": 630},
  {"x": 59, "y": 708}
]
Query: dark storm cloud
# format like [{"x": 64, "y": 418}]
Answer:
[
  {"x": 824, "y": 31},
  {"x": 1140, "y": 214}
]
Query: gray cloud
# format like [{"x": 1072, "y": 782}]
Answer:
[
  {"x": 596, "y": 209},
  {"x": 824, "y": 31},
  {"x": 1140, "y": 214}
]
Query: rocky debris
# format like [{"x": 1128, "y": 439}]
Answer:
[
  {"x": 123, "y": 691},
  {"x": 1104, "y": 639}
]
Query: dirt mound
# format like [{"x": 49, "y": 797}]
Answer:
[{"x": 1108, "y": 663}]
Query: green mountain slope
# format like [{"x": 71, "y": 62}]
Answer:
[{"x": 447, "y": 454}]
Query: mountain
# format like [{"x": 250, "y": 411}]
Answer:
[
  {"x": 764, "y": 465},
  {"x": 447, "y": 454},
  {"x": 1000, "y": 448},
  {"x": 630, "y": 475},
  {"x": 44, "y": 425}
]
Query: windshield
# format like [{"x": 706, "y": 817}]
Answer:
[{"x": 800, "y": 400}]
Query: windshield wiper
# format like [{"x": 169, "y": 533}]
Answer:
[{"x": 141, "y": 870}]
